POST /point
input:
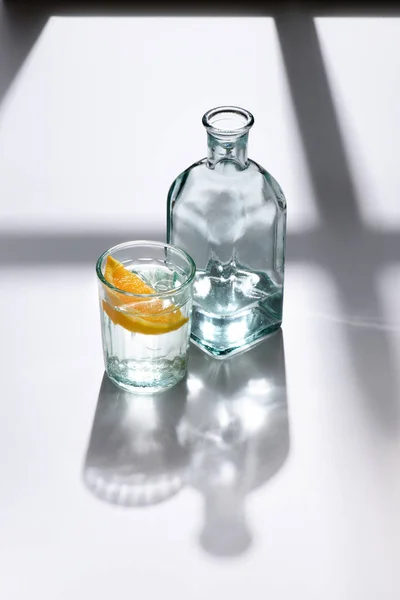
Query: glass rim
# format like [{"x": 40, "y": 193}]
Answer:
[
  {"x": 167, "y": 293},
  {"x": 236, "y": 110}
]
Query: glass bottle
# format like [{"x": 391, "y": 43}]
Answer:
[{"x": 229, "y": 214}]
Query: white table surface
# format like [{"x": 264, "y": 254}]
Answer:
[{"x": 101, "y": 117}]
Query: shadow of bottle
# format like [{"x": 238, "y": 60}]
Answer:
[
  {"x": 134, "y": 457},
  {"x": 236, "y": 431}
]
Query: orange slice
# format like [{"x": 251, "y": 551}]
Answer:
[
  {"x": 153, "y": 316},
  {"x": 125, "y": 280}
]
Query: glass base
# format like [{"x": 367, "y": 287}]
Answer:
[
  {"x": 221, "y": 353},
  {"x": 146, "y": 377}
]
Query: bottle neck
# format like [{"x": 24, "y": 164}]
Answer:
[{"x": 223, "y": 150}]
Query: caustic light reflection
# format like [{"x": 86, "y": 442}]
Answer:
[
  {"x": 194, "y": 385},
  {"x": 259, "y": 387},
  {"x": 254, "y": 415}
]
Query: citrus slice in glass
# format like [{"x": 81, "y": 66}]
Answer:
[{"x": 151, "y": 316}]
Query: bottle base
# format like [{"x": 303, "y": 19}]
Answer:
[{"x": 226, "y": 352}]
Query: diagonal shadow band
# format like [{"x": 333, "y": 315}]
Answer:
[
  {"x": 43, "y": 248},
  {"x": 352, "y": 254},
  {"x": 316, "y": 117},
  {"x": 20, "y": 27},
  {"x": 31, "y": 249}
]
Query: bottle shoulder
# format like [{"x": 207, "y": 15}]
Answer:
[
  {"x": 272, "y": 183},
  {"x": 252, "y": 181}
]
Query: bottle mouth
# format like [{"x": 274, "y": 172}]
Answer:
[{"x": 228, "y": 120}]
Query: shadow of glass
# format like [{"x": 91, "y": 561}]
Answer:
[
  {"x": 223, "y": 431},
  {"x": 134, "y": 457}
]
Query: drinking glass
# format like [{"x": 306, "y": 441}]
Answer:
[{"x": 145, "y": 330}]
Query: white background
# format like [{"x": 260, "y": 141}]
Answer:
[{"x": 101, "y": 117}]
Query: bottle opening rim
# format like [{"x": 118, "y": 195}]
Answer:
[{"x": 228, "y": 120}]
